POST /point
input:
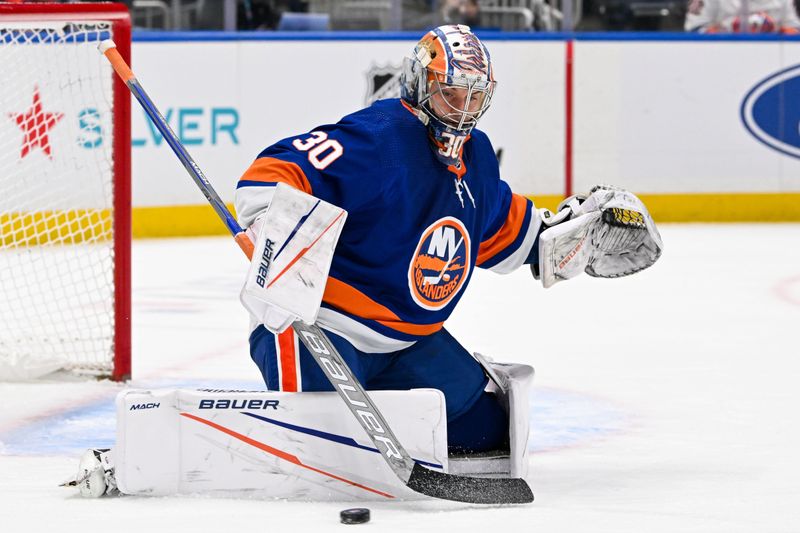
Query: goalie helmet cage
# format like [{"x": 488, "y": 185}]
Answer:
[{"x": 65, "y": 193}]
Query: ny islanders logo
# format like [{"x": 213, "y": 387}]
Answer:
[{"x": 440, "y": 264}]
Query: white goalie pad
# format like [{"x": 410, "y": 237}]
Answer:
[
  {"x": 511, "y": 382},
  {"x": 293, "y": 254},
  {"x": 514, "y": 382},
  {"x": 304, "y": 446},
  {"x": 612, "y": 235}
]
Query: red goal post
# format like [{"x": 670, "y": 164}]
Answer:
[{"x": 65, "y": 192}]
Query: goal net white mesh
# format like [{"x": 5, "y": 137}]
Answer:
[{"x": 56, "y": 199}]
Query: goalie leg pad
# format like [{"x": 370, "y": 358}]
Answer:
[
  {"x": 304, "y": 445},
  {"x": 512, "y": 383},
  {"x": 517, "y": 380}
]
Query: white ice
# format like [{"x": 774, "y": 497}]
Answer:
[{"x": 664, "y": 402}]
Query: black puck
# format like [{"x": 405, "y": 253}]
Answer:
[{"x": 354, "y": 516}]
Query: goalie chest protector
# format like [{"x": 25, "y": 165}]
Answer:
[{"x": 415, "y": 228}]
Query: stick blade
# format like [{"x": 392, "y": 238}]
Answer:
[{"x": 469, "y": 489}]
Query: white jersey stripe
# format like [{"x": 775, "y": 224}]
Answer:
[
  {"x": 517, "y": 259},
  {"x": 357, "y": 334},
  {"x": 251, "y": 202},
  {"x": 297, "y": 363}
]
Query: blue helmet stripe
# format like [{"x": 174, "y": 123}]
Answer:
[
  {"x": 440, "y": 34},
  {"x": 488, "y": 62}
]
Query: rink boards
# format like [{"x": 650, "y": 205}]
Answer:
[{"x": 699, "y": 126}]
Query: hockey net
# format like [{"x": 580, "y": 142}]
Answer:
[{"x": 64, "y": 192}]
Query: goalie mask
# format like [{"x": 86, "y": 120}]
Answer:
[{"x": 449, "y": 82}]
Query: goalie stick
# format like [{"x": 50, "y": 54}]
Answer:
[{"x": 413, "y": 475}]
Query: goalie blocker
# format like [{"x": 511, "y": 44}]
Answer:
[{"x": 294, "y": 243}]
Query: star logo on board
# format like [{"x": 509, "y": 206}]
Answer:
[{"x": 36, "y": 124}]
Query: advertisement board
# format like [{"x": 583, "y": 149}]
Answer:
[
  {"x": 698, "y": 126},
  {"x": 227, "y": 101}
]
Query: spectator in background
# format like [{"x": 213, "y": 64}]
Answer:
[
  {"x": 258, "y": 15},
  {"x": 465, "y": 12},
  {"x": 424, "y": 16},
  {"x": 725, "y": 16},
  {"x": 470, "y": 13}
]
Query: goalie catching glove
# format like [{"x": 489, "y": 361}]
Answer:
[
  {"x": 294, "y": 243},
  {"x": 608, "y": 234}
]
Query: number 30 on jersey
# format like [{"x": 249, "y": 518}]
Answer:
[
  {"x": 452, "y": 145},
  {"x": 321, "y": 150}
]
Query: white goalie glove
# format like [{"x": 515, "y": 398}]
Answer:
[
  {"x": 608, "y": 234},
  {"x": 294, "y": 243}
]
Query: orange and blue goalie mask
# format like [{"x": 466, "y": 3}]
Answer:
[{"x": 449, "y": 81}]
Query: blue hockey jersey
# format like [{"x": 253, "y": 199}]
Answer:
[{"x": 415, "y": 228}]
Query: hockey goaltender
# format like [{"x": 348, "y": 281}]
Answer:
[{"x": 366, "y": 233}]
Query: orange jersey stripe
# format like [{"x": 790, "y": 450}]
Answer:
[
  {"x": 271, "y": 170},
  {"x": 412, "y": 329},
  {"x": 458, "y": 171},
  {"x": 507, "y": 233},
  {"x": 351, "y": 300},
  {"x": 288, "y": 364},
  {"x": 409, "y": 108}
]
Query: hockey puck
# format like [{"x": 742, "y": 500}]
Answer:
[{"x": 354, "y": 516}]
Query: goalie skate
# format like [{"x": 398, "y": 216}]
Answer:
[{"x": 95, "y": 477}]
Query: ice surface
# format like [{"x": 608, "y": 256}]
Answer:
[{"x": 663, "y": 402}]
